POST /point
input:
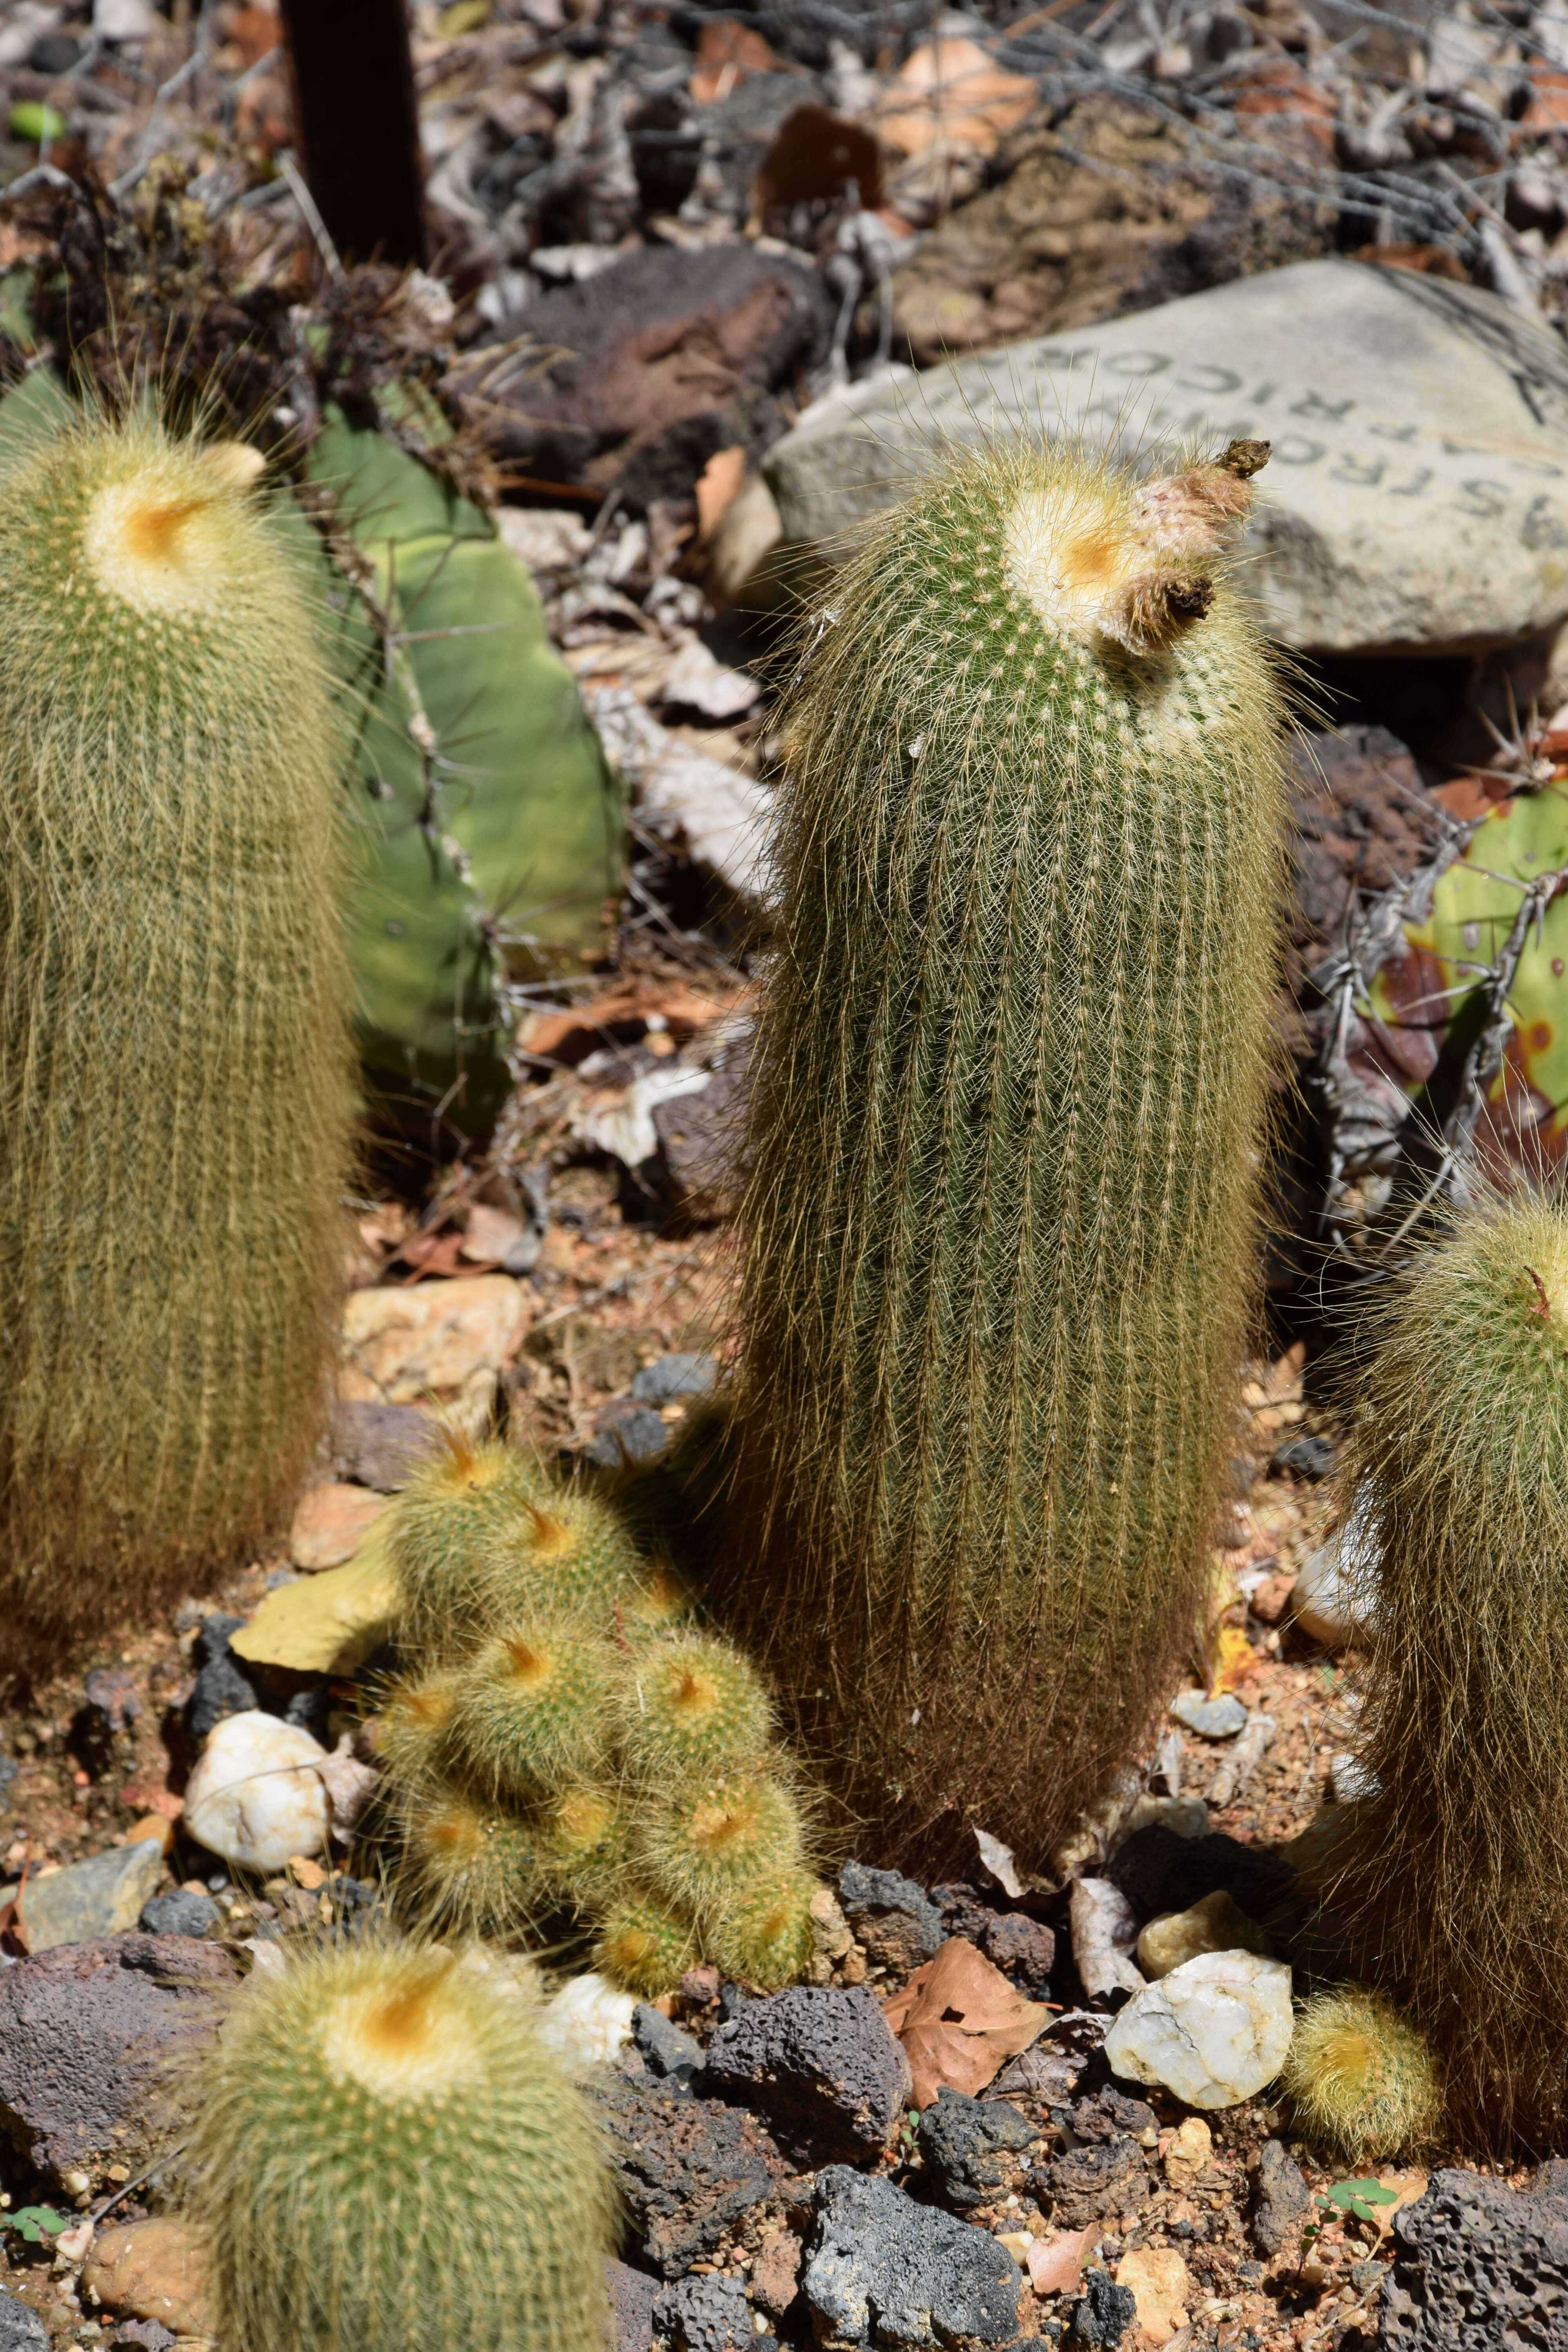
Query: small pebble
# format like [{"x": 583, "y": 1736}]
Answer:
[
  {"x": 180, "y": 1913},
  {"x": 1211, "y": 1718}
]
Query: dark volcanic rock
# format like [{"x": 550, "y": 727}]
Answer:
[
  {"x": 181, "y": 1912},
  {"x": 895, "y": 1920},
  {"x": 968, "y": 2146},
  {"x": 1478, "y": 2264},
  {"x": 667, "y": 2049},
  {"x": 86, "y": 2032},
  {"x": 1107, "y": 2114},
  {"x": 1023, "y": 1949},
  {"x": 823, "y": 2065},
  {"x": 881, "y": 2270},
  {"x": 664, "y": 346},
  {"x": 705, "y": 2314},
  {"x": 382, "y": 1445},
  {"x": 1104, "y": 2313},
  {"x": 1280, "y": 2197},
  {"x": 632, "y": 2298},
  {"x": 21, "y": 2329},
  {"x": 1090, "y": 2183},
  {"x": 689, "y": 2170},
  {"x": 222, "y": 1687}
]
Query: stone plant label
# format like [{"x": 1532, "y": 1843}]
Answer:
[{"x": 1416, "y": 499}]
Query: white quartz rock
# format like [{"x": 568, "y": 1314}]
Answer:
[
  {"x": 256, "y": 1796},
  {"x": 1213, "y": 2031},
  {"x": 587, "y": 2023}
]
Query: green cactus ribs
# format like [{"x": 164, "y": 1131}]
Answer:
[
  {"x": 173, "y": 1010},
  {"x": 487, "y": 820},
  {"x": 1000, "y": 1230}
]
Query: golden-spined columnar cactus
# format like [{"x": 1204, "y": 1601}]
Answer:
[
  {"x": 174, "y": 1086},
  {"x": 1011, "y": 1092}
]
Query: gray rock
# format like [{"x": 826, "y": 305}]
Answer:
[
  {"x": 110, "y": 1705},
  {"x": 704, "y": 2315},
  {"x": 690, "y": 2171},
  {"x": 895, "y": 1920},
  {"x": 625, "y": 1435},
  {"x": 1211, "y": 1718},
  {"x": 1104, "y": 2312},
  {"x": 100, "y": 1897},
  {"x": 221, "y": 1686},
  {"x": 1478, "y": 2264},
  {"x": 881, "y": 2270},
  {"x": 87, "y": 2035},
  {"x": 822, "y": 2064},
  {"x": 632, "y": 2297},
  {"x": 1551, "y": 2178},
  {"x": 966, "y": 2144},
  {"x": 669, "y": 1378},
  {"x": 1305, "y": 1457},
  {"x": 1023, "y": 1949},
  {"x": 21, "y": 2329},
  {"x": 1280, "y": 2197},
  {"x": 1415, "y": 496},
  {"x": 148, "y": 2335},
  {"x": 382, "y": 1445},
  {"x": 1093, "y": 2183},
  {"x": 670, "y": 2052},
  {"x": 181, "y": 1912}
]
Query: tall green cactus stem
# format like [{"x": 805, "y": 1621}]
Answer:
[
  {"x": 176, "y": 1095},
  {"x": 364, "y": 2108},
  {"x": 1452, "y": 1872},
  {"x": 1011, "y": 1092}
]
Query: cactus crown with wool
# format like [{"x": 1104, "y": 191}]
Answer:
[
  {"x": 1451, "y": 1875},
  {"x": 386, "y": 2153},
  {"x": 173, "y": 1017},
  {"x": 1010, "y": 1097}
]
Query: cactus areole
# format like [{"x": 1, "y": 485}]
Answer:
[{"x": 1001, "y": 1224}]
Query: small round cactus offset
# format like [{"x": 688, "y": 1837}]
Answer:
[
  {"x": 1012, "y": 1085},
  {"x": 386, "y": 2153},
  {"x": 173, "y": 1018},
  {"x": 1450, "y": 1875},
  {"x": 1359, "y": 2077}
]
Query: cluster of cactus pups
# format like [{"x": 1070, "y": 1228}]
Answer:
[{"x": 571, "y": 1738}]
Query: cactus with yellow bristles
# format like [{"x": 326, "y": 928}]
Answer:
[
  {"x": 364, "y": 2108},
  {"x": 1011, "y": 1088},
  {"x": 709, "y": 1845},
  {"x": 173, "y": 1003},
  {"x": 537, "y": 1707},
  {"x": 763, "y": 1934},
  {"x": 459, "y": 1505},
  {"x": 697, "y": 1706},
  {"x": 643, "y": 1945},
  {"x": 1449, "y": 1875},
  {"x": 584, "y": 1747},
  {"x": 1361, "y": 2080}
]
